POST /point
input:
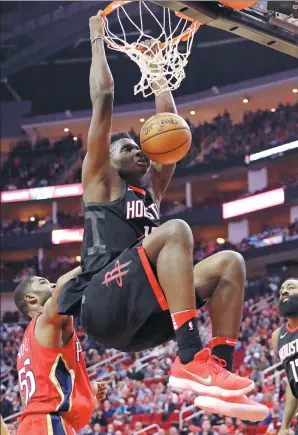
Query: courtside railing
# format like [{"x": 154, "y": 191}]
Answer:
[
  {"x": 263, "y": 304},
  {"x": 278, "y": 373},
  {"x": 142, "y": 362},
  {"x": 105, "y": 376},
  {"x": 196, "y": 412},
  {"x": 148, "y": 429},
  {"x": 112, "y": 361},
  {"x": 158, "y": 353},
  {"x": 13, "y": 417},
  {"x": 70, "y": 167}
]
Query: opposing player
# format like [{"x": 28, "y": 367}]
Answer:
[
  {"x": 137, "y": 286},
  {"x": 56, "y": 393},
  {"x": 285, "y": 341}
]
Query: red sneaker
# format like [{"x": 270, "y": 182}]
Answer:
[
  {"x": 237, "y": 407},
  {"x": 206, "y": 375}
]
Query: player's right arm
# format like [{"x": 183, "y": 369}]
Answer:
[
  {"x": 96, "y": 165},
  {"x": 291, "y": 404},
  {"x": 274, "y": 339}
]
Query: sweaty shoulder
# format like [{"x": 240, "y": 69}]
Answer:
[
  {"x": 105, "y": 186},
  {"x": 275, "y": 336},
  {"x": 53, "y": 335}
]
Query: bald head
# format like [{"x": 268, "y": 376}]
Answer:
[
  {"x": 31, "y": 295},
  {"x": 20, "y": 293}
]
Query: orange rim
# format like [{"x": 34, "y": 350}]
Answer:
[{"x": 183, "y": 37}]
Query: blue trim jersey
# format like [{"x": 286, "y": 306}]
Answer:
[{"x": 54, "y": 380}]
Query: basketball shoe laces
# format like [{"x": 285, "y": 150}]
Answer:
[{"x": 217, "y": 366}]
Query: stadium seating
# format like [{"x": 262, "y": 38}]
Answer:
[
  {"x": 44, "y": 161},
  {"x": 138, "y": 383},
  {"x": 138, "y": 395}
]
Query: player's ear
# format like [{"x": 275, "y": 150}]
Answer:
[{"x": 31, "y": 298}]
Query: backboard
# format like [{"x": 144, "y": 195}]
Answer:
[{"x": 273, "y": 24}]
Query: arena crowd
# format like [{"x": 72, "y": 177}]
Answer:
[
  {"x": 138, "y": 393},
  {"x": 40, "y": 162},
  {"x": 52, "y": 269}
]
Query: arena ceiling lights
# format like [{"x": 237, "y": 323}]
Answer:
[
  {"x": 72, "y": 235},
  {"x": 42, "y": 193},
  {"x": 271, "y": 152},
  {"x": 253, "y": 203}
]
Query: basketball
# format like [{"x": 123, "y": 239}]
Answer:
[{"x": 165, "y": 138}]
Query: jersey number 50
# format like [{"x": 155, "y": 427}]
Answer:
[{"x": 27, "y": 381}]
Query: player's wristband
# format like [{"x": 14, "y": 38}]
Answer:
[{"x": 95, "y": 39}]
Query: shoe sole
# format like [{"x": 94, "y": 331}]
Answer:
[
  {"x": 186, "y": 384},
  {"x": 251, "y": 413}
]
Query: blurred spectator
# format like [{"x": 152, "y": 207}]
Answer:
[
  {"x": 97, "y": 429},
  {"x": 16, "y": 272},
  {"x": 108, "y": 410},
  {"x": 138, "y": 426},
  {"x": 223, "y": 430},
  {"x": 110, "y": 430},
  {"x": 134, "y": 402},
  {"x": 206, "y": 428},
  {"x": 173, "y": 430},
  {"x": 5, "y": 405},
  {"x": 38, "y": 163},
  {"x": 98, "y": 417}
]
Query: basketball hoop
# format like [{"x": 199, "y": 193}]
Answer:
[{"x": 160, "y": 58}]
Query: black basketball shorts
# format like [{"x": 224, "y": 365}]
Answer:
[{"x": 124, "y": 306}]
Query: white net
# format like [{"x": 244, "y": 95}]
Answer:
[{"x": 161, "y": 58}]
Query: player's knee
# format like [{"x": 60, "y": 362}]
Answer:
[
  {"x": 232, "y": 259},
  {"x": 180, "y": 232}
]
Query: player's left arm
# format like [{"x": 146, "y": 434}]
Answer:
[
  {"x": 291, "y": 408},
  {"x": 4, "y": 430},
  {"x": 99, "y": 390},
  {"x": 160, "y": 175},
  {"x": 50, "y": 312},
  {"x": 21, "y": 396}
]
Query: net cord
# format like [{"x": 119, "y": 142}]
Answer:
[{"x": 163, "y": 68}]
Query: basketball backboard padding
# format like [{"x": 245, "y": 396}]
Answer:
[
  {"x": 240, "y": 23},
  {"x": 204, "y": 15}
]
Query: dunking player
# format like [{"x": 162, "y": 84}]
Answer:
[
  {"x": 285, "y": 341},
  {"x": 56, "y": 393},
  {"x": 136, "y": 289}
]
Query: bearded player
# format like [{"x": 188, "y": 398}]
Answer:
[
  {"x": 285, "y": 342},
  {"x": 137, "y": 286},
  {"x": 56, "y": 393}
]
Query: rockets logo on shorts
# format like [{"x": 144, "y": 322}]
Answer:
[{"x": 116, "y": 273}]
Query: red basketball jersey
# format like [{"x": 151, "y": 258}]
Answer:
[{"x": 54, "y": 380}]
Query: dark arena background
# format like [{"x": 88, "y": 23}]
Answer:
[{"x": 237, "y": 188}]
